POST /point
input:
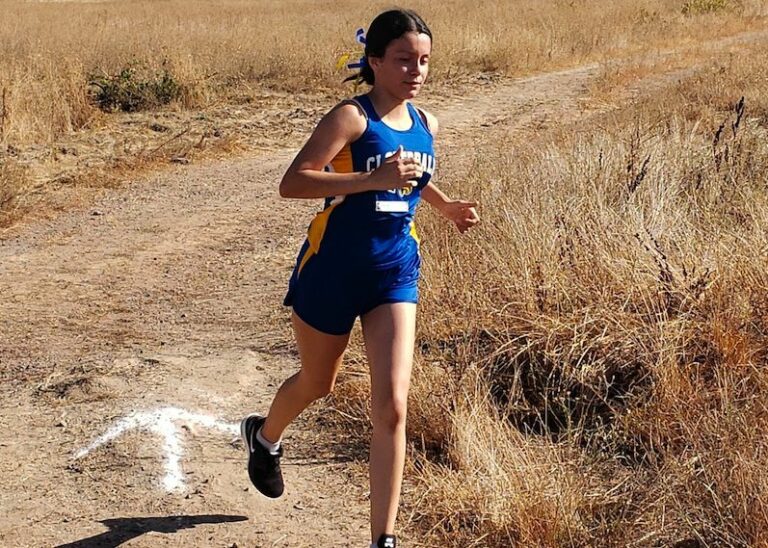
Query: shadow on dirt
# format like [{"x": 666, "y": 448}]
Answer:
[{"x": 124, "y": 529}]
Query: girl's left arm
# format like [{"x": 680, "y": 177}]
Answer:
[{"x": 461, "y": 213}]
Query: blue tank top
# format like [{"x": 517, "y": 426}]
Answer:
[{"x": 373, "y": 229}]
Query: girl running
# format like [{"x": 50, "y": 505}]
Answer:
[{"x": 372, "y": 159}]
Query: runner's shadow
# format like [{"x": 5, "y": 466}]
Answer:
[{"x": 124, "y": 529}]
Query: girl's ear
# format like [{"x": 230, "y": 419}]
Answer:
[{"x": 374, "y": 62}]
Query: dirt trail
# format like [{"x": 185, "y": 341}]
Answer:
[{"x": 166, "y": 293}]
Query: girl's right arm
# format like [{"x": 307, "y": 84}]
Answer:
[{"x": 306, "y": 178}]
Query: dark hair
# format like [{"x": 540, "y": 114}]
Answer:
[{"x": 387, "y": 26}]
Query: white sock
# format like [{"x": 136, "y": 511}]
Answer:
[{"x": 271, "y": 447}]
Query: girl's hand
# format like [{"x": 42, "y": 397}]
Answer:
[
  {"x": 396, "y": 172},
  {"x": 462, "y": 214}
]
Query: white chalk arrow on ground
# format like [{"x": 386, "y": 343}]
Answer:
[{"x": 163, "y": 423}]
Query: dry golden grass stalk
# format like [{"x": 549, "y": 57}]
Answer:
[{"x": 14, "y": 185}]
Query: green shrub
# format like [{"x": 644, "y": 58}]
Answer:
[
  {"x": 136, "y": 87},
  {"x": 696, "y": 7}
]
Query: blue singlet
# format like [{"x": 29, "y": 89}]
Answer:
[{"x": 362, "y": 249}]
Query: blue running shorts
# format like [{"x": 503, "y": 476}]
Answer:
[{"x": 329, "y": 296}]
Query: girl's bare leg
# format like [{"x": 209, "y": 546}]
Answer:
[
  {"x": 321, "y": 356},
  {"x": 389, "y": 333}
]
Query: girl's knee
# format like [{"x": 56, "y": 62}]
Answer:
[
  {"x": 390, "y": 415},
  {"x": 316, "y": 388}
]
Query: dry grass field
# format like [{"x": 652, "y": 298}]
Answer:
[
  {"x": 195, "y": 52},
  {"x": 591, "y": 361}
]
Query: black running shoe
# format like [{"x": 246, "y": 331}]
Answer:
[
  {"x": 263, "y": 466},
  {"x": 386, "y": 541}
]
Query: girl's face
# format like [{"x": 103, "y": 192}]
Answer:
[{"x": 403, "y": 69}]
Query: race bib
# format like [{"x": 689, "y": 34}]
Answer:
[{"x": 391, "y": 206}]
